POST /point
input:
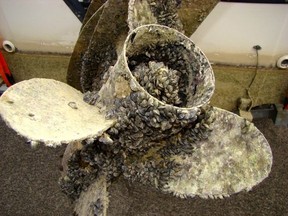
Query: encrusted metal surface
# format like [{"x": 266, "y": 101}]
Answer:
[
  {"x": 94, "y": 201},
  {"x": 142, "y": 117},
  {"x": 234, "y": 157},
  {"x": 222, "y": 155},
  {"x": 143, "y": 12},
  {"x": 50, "y": 112},
  {"x": 91, "y": 59},
  {"x": 182, "y": 146},
  {"x": 85, "y": 35}
]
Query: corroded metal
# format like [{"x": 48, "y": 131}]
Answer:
[{"x": 91, "y": 59}]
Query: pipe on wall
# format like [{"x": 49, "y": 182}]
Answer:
[{"x": 282, "y": 62}]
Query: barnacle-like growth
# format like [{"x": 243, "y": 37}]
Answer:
[
  {"x": 91, "y": 59},
  {"x": 234, "y": 157},
  {"x": 147, "y": 117},
  {"x": 211, "y": 160},
  {"x": 51, "y": 112},
  {"x": 163, "y": 12},
  {"x": 146, "y": 110}
]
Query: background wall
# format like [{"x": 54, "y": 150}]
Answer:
[
  {"x": 39, "y": 25},
  {"x": 227, "y": 35},
  {"x": 230, "y": 31}
]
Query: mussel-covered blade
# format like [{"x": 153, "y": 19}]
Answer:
[
  {"x": 52, "y": 112},
  {"x": 93, "y": 201},
  {"x": 105, "y": 45},
  {"x": 81, "y": 46},
  {"x": 94, "y": 6},
  {"x": 101, "y": 38},
  {"x": 231, "y": 156},
  {"x": 143, "y": 12}
]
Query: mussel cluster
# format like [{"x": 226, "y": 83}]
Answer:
[
  {"x": 166, "y": 71},
  {"x": 159, "y": 81},
  {"x": 86, "y": 164},
  {"x": 162, "y": 12},
  {"x": 166, "y": 12},
  {"x": 168, "y": 79},
  {"x": 157, "y": 166}
]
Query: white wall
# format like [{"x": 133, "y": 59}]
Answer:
[
  {"x": 39, "y": 25},
  {"x": 226, "y": 36},
  {"x": 230, "y": 31}
]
